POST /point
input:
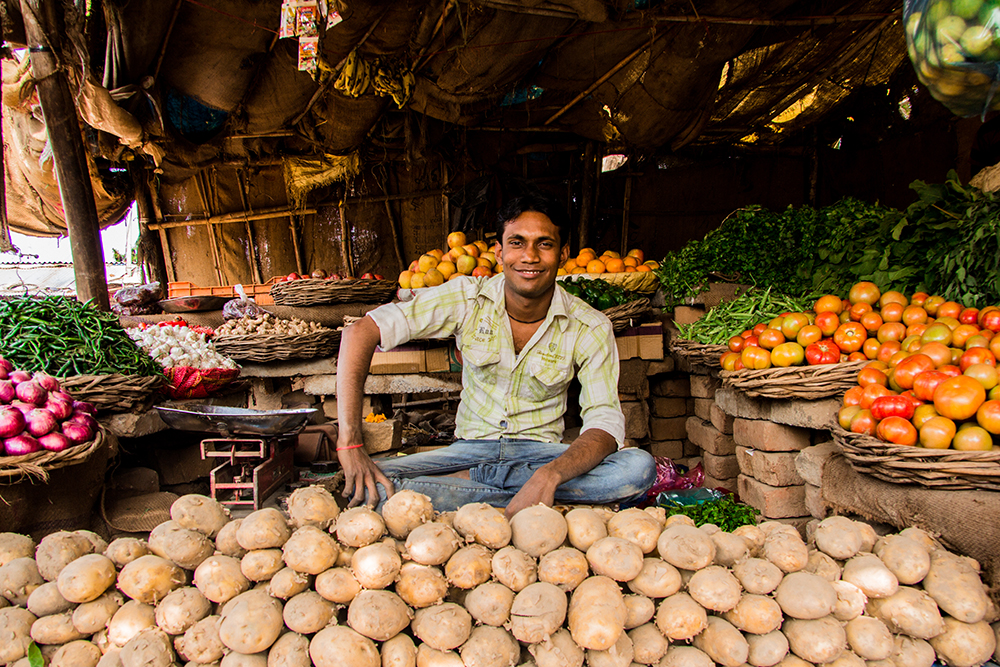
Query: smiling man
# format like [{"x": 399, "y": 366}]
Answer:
[{"x": 522, "y": 339}]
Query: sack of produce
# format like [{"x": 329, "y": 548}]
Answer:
[
  {"x": 193, "y": 367},
  {"x": 955, "y": 48}
]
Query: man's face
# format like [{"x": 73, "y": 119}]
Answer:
[{"x": 531, "y": 253}]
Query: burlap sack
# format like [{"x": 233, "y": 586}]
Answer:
[{"x": 964, "y": 520}]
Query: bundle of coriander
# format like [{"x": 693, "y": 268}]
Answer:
[{"x": 728, "y": 319}]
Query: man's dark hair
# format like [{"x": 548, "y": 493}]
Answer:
[{"x": 538, "y": 203}]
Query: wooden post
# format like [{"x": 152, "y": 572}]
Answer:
[
  {"x": 150, "y": 248},
  {"x": 345, "y": 243},
  {"x": 587, "y": 194},
  {"x": 625, "y": 212},
  {"x": 43, "y": 25},
  {"x": 300, "y": 264}
]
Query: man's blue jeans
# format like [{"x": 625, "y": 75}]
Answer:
[{"x": 499, "y": 468}]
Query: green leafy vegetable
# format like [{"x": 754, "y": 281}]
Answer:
[
  {"x": 64, "y": 337},
  {"x": 723, "y": 512}
]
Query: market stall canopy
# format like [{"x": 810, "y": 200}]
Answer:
[{"x": 187, "y": 85}]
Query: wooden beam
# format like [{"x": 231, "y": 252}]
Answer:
[
  {"x": 212, "y": 242},
  {"x": 226, "y": 218},
  {"x": 43, "y": 24}
]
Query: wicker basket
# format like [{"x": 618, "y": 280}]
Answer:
[
  {"x": 945, "y": 469},
  {"x": 314, "y": 292},
  {"x": 698, "y": 354},
  {"x": 279, "y": 348},
  {"x": 112, "y": 393},
  {"x": 801, "y": 382},
  {"x": 38, "y": 465},
  {"x": 645, "y": 282},
  {"x": 627, "y": 314}
]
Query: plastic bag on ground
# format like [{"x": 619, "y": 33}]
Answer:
[{"x": 242, "y": 306}]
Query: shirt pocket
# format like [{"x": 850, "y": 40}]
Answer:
[
  {"x": 544, "y": 381},
  {"x": 483, "y": 363}
]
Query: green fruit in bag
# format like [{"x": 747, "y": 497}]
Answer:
[
  {"x": 976, "y": 40},
  {"x": 967, "y": 9}
]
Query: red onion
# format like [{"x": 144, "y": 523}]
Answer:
[
  {"x": 84, "y": 406},
  {"x": 17, "y": 377},
  {"x": 54, "y": 442},
  {"x": 25, "y": 408},
  {"x": 48, "y": 382},
  {"x": 62, "y": 396},
  {"x": 40, "y": 421},
  {"x": 11, "y": 422},
  {"x": 31, "y": 392},
  {"x": 76, "y": 432},
  {"x": 3, "y": 374},
  {"x": 6, "y": 365},
  {"x": 85, "y": 419},
  {"x": 7, "y": 393},
  {"x": 61, "y": 409},
  {"x": 20, "y": 445}
]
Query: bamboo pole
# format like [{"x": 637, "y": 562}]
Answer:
[
  {"x": 43, "y": 24},
  {"x": 212, "y": 243},
  {"x": 607, "y": 75},
  {"x": 154, "y": 200},
  {"x": 149, "y": 241},
  {"x": 345, "y": 242},
  {"x": 251, "y": 242},
  {"x": 300, "y": 264},
  {"x": 227, "y": 218}
]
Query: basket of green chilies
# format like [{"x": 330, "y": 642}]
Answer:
[{"x": 86, "y": 348}]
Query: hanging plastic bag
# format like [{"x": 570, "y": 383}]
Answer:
[
  {"x": 955, "y": 48},
  {"x": 241, "y": 306}
]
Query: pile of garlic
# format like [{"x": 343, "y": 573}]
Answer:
[
  {"x": 268, "y": 325},
  {"x": 172, "y": 346}
]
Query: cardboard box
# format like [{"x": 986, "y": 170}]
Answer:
[
  {"x": 418, "y": 357},
  {"x": 643, "y": 342}
]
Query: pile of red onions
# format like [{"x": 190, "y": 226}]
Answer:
[{"x": 36, "y": 415}]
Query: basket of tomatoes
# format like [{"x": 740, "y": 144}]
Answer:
[{"x": 926, "y": 409}]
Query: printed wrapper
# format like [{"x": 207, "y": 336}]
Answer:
[
  {"x": 287, "y": 25},
  {"x": 307, "y": 21},
  {"x": 333, "y": 18},
  {"x": 308, "y": 54}
]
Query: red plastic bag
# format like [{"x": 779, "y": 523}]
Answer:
[{"x": 188, "y": 382}]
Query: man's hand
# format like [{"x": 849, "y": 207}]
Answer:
[
  {"x": 540, "y": 488},
  {"x": 360, "y": 478}
]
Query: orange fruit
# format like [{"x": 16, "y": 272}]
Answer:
[
  {"x": 580, "y": 269},
  {"x": 638, "y": 254},
  {"x": 570, "y": 265},
  {"x": 643, "y": 268},
  {"x": 630, "y": 269},
  {"x": 585, "y": 258},
  {"x": 614, "y": 265},
  {"x": 596, "y": 266},
  {"x": 611, "y": 253},
  {"x": 631, "y": 261}
]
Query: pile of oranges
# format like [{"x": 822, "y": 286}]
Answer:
[
  {"x": 587, "y": 261},
  {"x": 435, "y": 267}
]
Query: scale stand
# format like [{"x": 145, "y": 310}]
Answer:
[{"x": 256, "y": 468}]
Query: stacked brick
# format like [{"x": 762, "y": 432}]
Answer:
[
  {"x": 711, "y": 430},
  {"x": 780, "y": 447}
]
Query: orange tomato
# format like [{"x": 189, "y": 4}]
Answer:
[
  {"x": 870, "y": 348},
  {"x": 827, "y": 322},
  {"x": 959, "y": 397},
  {"x": 888, "y": 348},
  {"x": 892, "y": 296},
  {"x": 787, "y": 354},
  {"x": 858, "y": 311},
  {"x": 907, "y": 369},
  {"x": 949, "y": 309},
  {"x": 988, "y": 416},
  {"x": 869, "y": 375},
  {"x": 846, "y": 414},
  {"x": 863, "y": 422},
  {"x": 918, "y": 298},
  {"x": 962, "y": 333},
  {"x": 871, "y": 321},
  {"x": 977, "y": 355},
  {"x": 922, "y": 414},
  {"x": 926, "y": 382},
  {"x": 831, "y": 303},
  {"x": 891, "y": 331},
  {"x": 985, "y": 374},
  {"x": 853, "y": 396},
  {"x": 808, "y": 335},
  {"x": 792, "y": 324},
  {"x": 755, "y": 357},
  {"x": 893, "y": 312},
  {"x": 939, "y": 353},
  {"x": 937, "y": 433},
  {"x": 897, "y": 430},
  {"x": 728, "y": 361},
  {"x": 931, "y": 304},
  {"x": 864, "y": 292},
  {"x": 972, "y": 439},
  {"x": 871, "y": 392},
  {"x": 759, "y": 328},
  {"x": 916, "y": 329},
  {"x": 771, "y": 338},
  {"x": 850, "y": 336},
  {"x": 914, "y": 315}
]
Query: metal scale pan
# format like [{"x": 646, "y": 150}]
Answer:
[{"x": 235, "y": 421}]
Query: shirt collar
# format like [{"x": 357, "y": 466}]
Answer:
[{"x": 559, "y": 307}]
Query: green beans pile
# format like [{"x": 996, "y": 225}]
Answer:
[
  {"x": 64, "y": 337},
  {"x": 728, "y": 319}
]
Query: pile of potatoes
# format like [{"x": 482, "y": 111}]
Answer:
[{"x": 413, "y": 588}]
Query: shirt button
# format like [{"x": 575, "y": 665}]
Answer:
[{"x": 503, "y": 423}]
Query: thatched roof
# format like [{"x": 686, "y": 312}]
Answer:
[{"x": 211, "y": 84}]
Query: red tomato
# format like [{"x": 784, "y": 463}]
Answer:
[
  {"x": 820, "y": 352},
  {"x": 959, "y": 397},
  {"x": 888, "y": 349},
  {"x": 908, "y": 368},
  {"x": 853, "y": 396},
  {"x": 759, "y": 328},
  {"x": 897, "y": 430},
  {"x": 871, "y": 392},
  {"x": 728, "y": 361},
  {"x": 751, "y": 341},
  {"x": 969, "y": 316},
  {"x": 937, "y": 433},
  {"x": 991, "y": 320},
  {"x": 977, "y": 355},
  {"x": 379, "y": 276},
  {"x": 736, "y": 343},
  {"x": 893, "y": 312},
  {"x": 951, "y": 370},
  {"x": 293, "y": 276},
  {"x": 988, "y": 416},
  {"x": 368, "y": 276},
  {"x": 850, "y": 336},
  {"x": 918, "y": 298},
  {"x": 949, "y": 309},
  {"x": 858, "y": 311},
  {"x": 857, "y": 356},
  {"x": 792, "y": 324},
  {"x": 863, "y": 422},
  {"x": 891, "y": 331},
  {"x": 892, "y": 406},
  {"x": 926, "y": 382},
  {"x": 827, "y": 322}
]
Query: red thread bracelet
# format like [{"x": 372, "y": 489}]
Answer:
[{"x": 340, "y": 449}]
